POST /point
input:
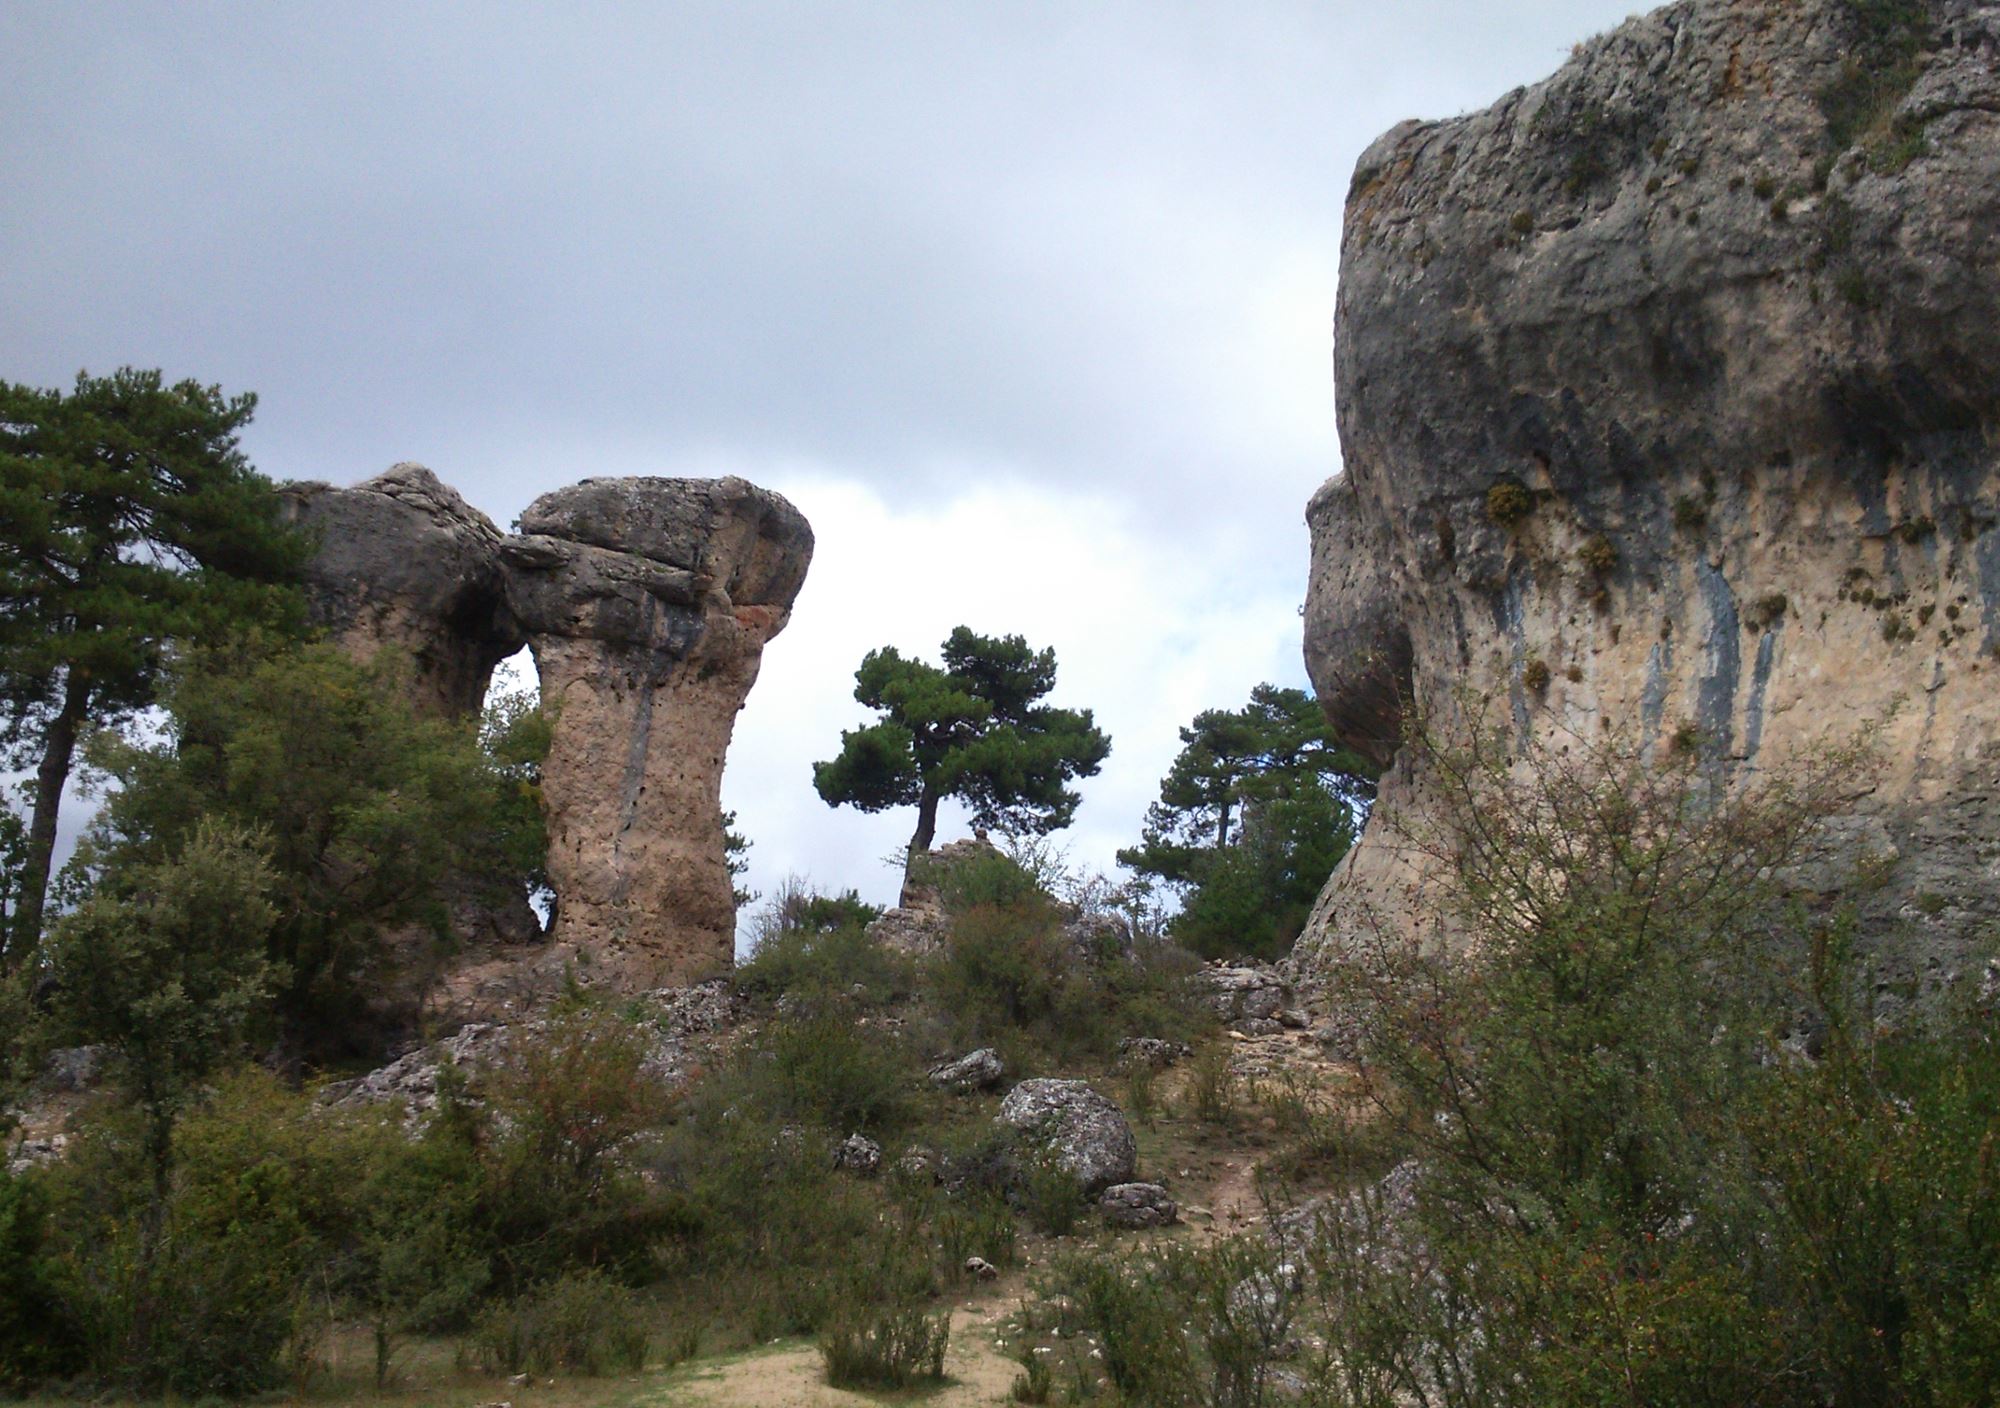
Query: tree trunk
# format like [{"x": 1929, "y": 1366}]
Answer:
[
  {"x": 927, "y": 809},
  {"x": 58, "y": 749}
]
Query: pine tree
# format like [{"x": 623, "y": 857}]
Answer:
[{"x": 129, "y": 521}]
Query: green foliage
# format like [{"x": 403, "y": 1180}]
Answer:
[
  {"x": 209, "y": 1290},
  {"x": 986, "y": 879},
  {"x": 559, "y": 1190},
  {"x": 165, "y": 964},
  {"x": 975, "y": 1223},
  {"x": 815, "y": 948},
  {"x": 736, "y": 853},
  {"x": 515, "y": 734},
  {"x": 1629, "y": 1190},
  {"x": 583, "y": 1322},
  {"x": 360, "y": 807},
  {"x": 1508, "y": 503},
  {"x": 973, "y": 729},
  {"x": 37, "y": 1339},
  {"x": 129, "y": 521},
  {"x": 1012, "y": 977},
  {"x": 1182, "y": 1326},
  {"x": 1882, "y": 64},
  {"x": 1255, "y": 812},
  {"x": 886, "y": 1350},
  {"x": 1050, "y": 1195},
  {"x": 826, "y": 1069}
]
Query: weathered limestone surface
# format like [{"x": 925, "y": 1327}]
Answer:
[
  {"x": 404, "y": 562},
  {"x": 1699, "y": 300},
  {"x": 647, "y": 603}
]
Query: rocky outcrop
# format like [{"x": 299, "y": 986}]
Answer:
[
  {"x": 403, "y": 562},
  {"x": 647, "y": 603},
  {"x": 685, "y": 1028},
  {"x": 1075, "y": 1128},
  {"x": 1668, "y": 398}
]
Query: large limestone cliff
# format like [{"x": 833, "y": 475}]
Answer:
[
  {"x": 1668, "y": 395},
  {"x": 647, "y": 604}
]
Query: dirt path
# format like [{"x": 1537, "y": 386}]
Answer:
[{"x": 792, "y": 1375}]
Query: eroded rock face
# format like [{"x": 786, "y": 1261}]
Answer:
[
  {"x": 1721, "y": 321},
  {"x": 404, "y": 562},
  {"x": 647, "y": 603}
]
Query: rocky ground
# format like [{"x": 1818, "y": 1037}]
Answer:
[{"x": 1174, "y": 1138}]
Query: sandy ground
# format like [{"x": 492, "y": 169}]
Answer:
[{"x": 792, "y": 1375}]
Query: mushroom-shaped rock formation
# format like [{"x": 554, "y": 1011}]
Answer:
[
  {"x": 404, "y": 562},
  {"x": 1669, "y": 395},
  {"x": 647, "y": 603}
]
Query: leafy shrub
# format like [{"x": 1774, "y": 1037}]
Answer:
[
  {"x": 1625, "y": 1179},
  {"x": 985, "y": 879},
  {"x": 1212, "y": 1089},
  {"x": 977, "y": 1222},
  {"x": 1000, "y": 971},
  {"x": 583, "y": 1322},
  {"x": 888, "y": 1350},
  {"x": 1014, "y": 979},
  {"x": 561, "y": 1189},
  {"x": 37, "y": 1338},
  {"x": 1036, "y": 1383},
  {"x": 824, "y": 1068},
  {"x": 215, "y": 1298},
  {"x": 820, "y": 964},
  {"x": 1050, "y": 1195}
]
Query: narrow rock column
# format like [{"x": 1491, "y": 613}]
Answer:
[{"x": 647, "y": 603}]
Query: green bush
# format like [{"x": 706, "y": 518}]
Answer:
[
  {"x": 824, "y": 1068},
  {"x": 1013, "y": 979},
  {"x": 887, "y": 1350},
  {"x": 584, "y": 1323},
  {"x": 1050, "y": 1195},
  {"x": 561, "y": 1187},
  {"x": 976, "y": 1222},
  {"x": 37, "y": 1338},
  {"x": 983, "y": 880},
  {"x": 1630, "y": 1190},
  {"x": 218, "y": 1297},
  {"x": 821, "y": 964},
  {"x": 1000, "y": 971}
]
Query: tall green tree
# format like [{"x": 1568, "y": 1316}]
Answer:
[
  {"x": 1254, "y": 813},
  {"x": 365, "y": 809},
  {"x": 129, "y": 520},
  {"x": 975, "y": 729},
  {"x": 166, "y": 967}
]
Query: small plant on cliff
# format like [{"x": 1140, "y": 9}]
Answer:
[
  {"x": 1535, "y": 676},
  {"x": 974, "y": 729},
  {"x": 1508, "y": 502},
  {"x": 1599, "y": 555},
  {"x": 1690, "y": 513}
]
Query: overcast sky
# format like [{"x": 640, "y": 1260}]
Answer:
[{"x": 1027, "y": 306}]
